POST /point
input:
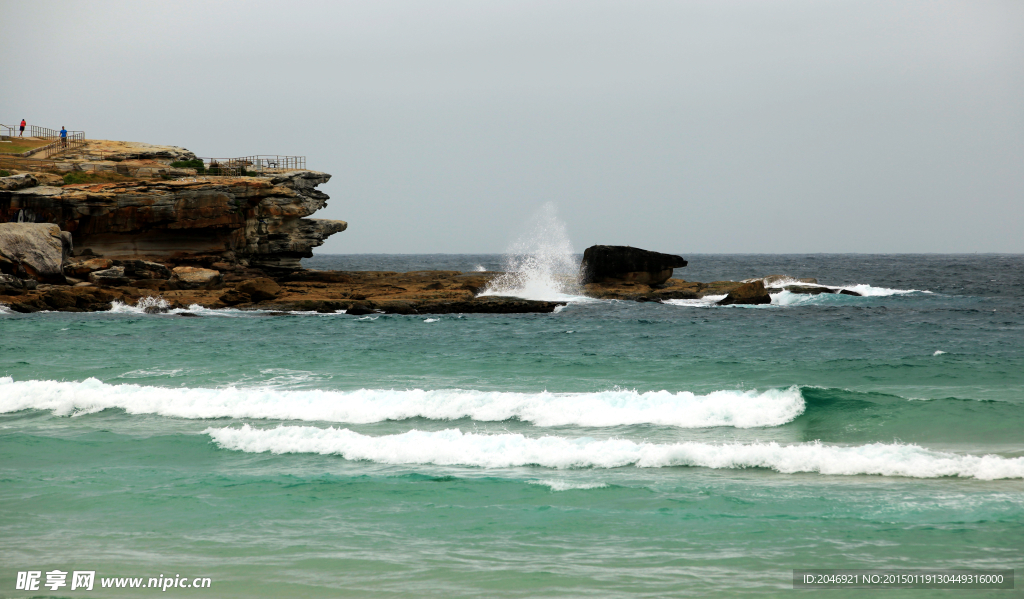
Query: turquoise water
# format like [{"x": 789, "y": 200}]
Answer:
[{"x": 609, "y": 449}]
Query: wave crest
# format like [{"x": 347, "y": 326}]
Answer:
[
  {"x": 452, "y": 447},
  {"x": 740, "y": 409}
]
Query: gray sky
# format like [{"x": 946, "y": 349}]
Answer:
[{"x": 754, "y": 126}]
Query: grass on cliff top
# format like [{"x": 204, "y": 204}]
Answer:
[
  {"x": 17, "y": 146},
  {"x": 78, "y": 177}
]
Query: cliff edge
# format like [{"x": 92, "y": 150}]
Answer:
[{"x": 150, "y": 210}]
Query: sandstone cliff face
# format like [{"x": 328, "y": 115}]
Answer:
[{"x": 247, "y": 221}]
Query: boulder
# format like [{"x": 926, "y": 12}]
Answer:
[
  {"x": 21, "y": 181},
  {"x": 111, "y": 277},
  {"x": 747, "y": 293},
  {"x": 49, "y": 179},
  {"x": 11, "y": 285},
  {"x": 617, "y": 264},
  {"x": 193, "y": 277},
  {"x": 143, "y": 269},
  {"x": 358, "y": 309},
  {"x": 58, "y": 299},
  {"x": 83, "y": 268},
  {"x": 232, "y": 297},
  {"x": 260, "y": 289},
  {"x": 37, "y": 249},
  {"x": 850, "y": 292}
]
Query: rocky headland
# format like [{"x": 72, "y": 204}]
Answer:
[{"x": 121, "y": 221}]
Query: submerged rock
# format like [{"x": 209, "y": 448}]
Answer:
[{"x": 619, "y": 264}]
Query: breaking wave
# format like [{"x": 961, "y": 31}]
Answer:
[
  {"x": 541, "y": 264},
  {"x": 452, "y": 447},
  {"x": 739, "y": 409}
]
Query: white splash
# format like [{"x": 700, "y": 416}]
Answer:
[
  {"x": 150, "y": 302},
  {"x": 938, "y": 352},
  {"x": 541, "y": 264},
  {"x": 452, "y": 447}
]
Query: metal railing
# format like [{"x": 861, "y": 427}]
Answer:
[
  {"x": 251, "y": 164},
  {"x": 46, "y": 132},
  {"x": 8, "y": 130},
  {"x": 74, "y": 139},
  {"x": 7, "y": 162}
]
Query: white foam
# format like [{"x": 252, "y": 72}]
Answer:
[
  {"x": 704, "y": 302},
  {"x": 452, "y": 447},
  {"x": 432, "y": 320},
  {"x": 938, "y": 352},
  {"x": 565, "y": 485},
  {"x": 870, "y": 291},
  {"x": 5, "y": 309},
  {"x": 740, "y": 409},
  {"x": 541, "y": 264}
]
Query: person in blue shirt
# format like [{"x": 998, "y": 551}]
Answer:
[{"x": 63, "y": 136}]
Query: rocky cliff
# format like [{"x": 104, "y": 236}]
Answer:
[{"x": 227, "y": 221}]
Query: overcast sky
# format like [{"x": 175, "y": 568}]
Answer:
[{"x": 761, "y": 126}]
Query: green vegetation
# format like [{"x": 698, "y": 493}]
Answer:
[
  {"x": 4, "y": 173},
  {"x": 214, "y": 168},
  {"x": 196, "y": 164},
  {"x": 78, "y": 177}
]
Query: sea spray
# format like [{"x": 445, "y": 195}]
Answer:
[{"x": 541, "y": 264}]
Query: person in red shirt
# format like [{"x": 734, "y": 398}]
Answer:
[{"x": 22, "y": 134}]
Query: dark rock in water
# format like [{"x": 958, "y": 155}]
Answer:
[
  {"x": 617, "y": 263},
  {"x": 808, "y": 290},
  {"x": 748, "y": 293},
  {"x": 848, "y": 292},
  {"x": 189, "y": 315},
  {"x": 155, "y": 310},
  {"x": 359, "y": 310}
]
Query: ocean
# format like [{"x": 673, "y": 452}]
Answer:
[{"x": 611, "y": 449}]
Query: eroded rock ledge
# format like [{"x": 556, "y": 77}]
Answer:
[{"x": 217, "y": 222}]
